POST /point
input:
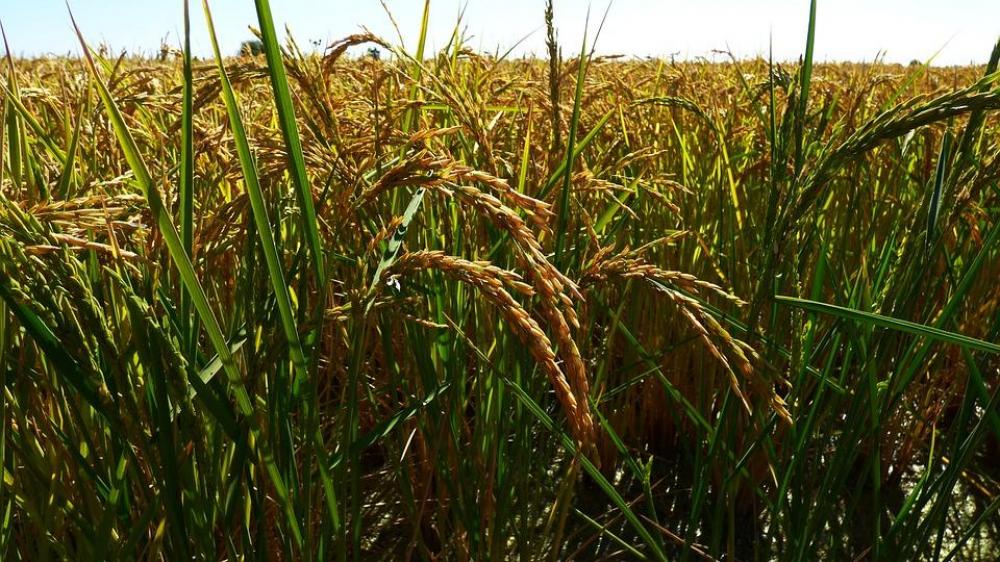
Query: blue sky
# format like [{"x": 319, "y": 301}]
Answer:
[{"x": 963, "y": 30}]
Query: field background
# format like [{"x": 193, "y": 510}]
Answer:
[{"x": 342, "y": 306}]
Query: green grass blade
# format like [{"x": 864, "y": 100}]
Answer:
[
  {"x": 870, "y": 318},
  {"x": 13, "y": 143},
  {"x": 805, "y": 81},
  {"x": 411, "y": 113},
  {"x": 43, "y": 136},
  {"x": 10, "y": 117},
  {"x": 564, "y": 197},
  {"x": 259, "y": 208},
  {"x": 395, "y": 243},
  {"x": 293, "y": 144},
  {"x": 560, "y": 172},
  {"x": 934, "y": 208},
  {"x": 187, "y": 179},
  {"x": 66, "y": 177}
]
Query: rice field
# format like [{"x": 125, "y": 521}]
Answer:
[{"x": 386, "y": 305}]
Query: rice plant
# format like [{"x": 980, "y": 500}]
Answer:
[{"x": 296, "y": 305}]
